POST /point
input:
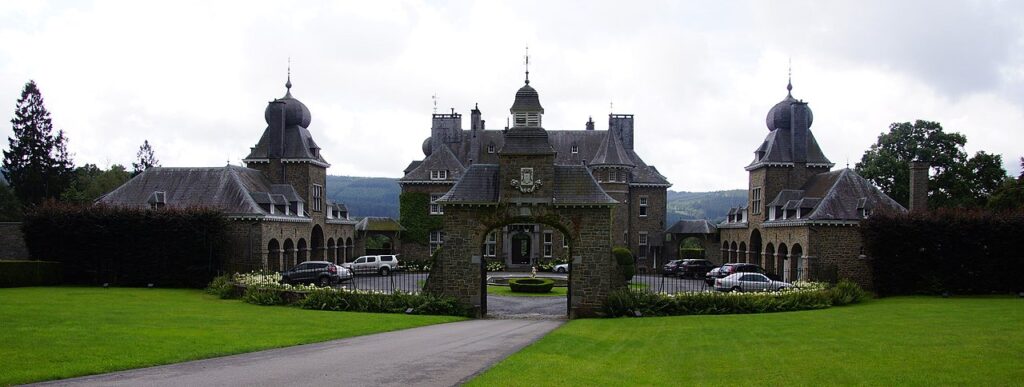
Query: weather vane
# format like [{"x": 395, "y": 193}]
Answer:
[
  {"x": 434, "y": 98},
  {"x": 527, "y": 57}
]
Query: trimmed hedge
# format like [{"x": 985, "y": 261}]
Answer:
[
  {"x": 958, "y": 251},
  {"x": 627, "y": 266},
  {"x": 29, "y": 273},
  {"x": 355, "y": 301},
  {"x": 531, "y": 285},
  {"x": 626, "y": 303},
  {"x": 128, "y": 247}
]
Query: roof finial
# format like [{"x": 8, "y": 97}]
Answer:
[
  {"x": 789, "y": 86},
  {"x": 288, "y": 84},
  {"x": 434, "y": 97},
  {"x": 527, "y": 64}
]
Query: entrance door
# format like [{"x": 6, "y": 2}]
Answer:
[{"x": 521, "y": 249}]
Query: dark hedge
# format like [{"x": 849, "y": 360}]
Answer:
[
  {"x": 128, "y": 247},
  {"x": 956, "y": 251},
  {"x": 29, "y": 273}
]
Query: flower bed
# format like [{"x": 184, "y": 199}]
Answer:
[
  {"x": 803, "y": 296},
  {"x": 531, "y": 285},
  {"x": 266, "y": 289}
]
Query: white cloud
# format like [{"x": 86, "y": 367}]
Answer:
[{"x": 193, "y": 78}]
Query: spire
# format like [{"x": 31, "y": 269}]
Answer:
[
  {"x": 288, "y": 84},
  {"x": 527, "y": 64},
  {"x": 789, "y": 86}
]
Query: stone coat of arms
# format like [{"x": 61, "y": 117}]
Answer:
[{"x": 526, "y": 183}]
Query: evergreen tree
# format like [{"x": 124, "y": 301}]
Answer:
[
  {"x": 146, "y": 158},
  {"x": 37, "y": 165}
]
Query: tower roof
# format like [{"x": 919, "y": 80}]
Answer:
[{"x": 527, "y": 100}]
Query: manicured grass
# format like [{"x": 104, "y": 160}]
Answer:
[
  {"x": 498, "y": 290},
  {"x": 894, "y": 341},
  {"x": 60, "y": 332}
]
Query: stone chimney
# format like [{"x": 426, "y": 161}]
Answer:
[
  {"x": 590, "y": 123},
  {"x": 919, "y": 185}
]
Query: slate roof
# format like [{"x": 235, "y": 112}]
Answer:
[
  {"x": 588, "y": 143},
  {"x": 777, "y": 147},
  {"x": 527, "y": 99},
  {"x": 237, "y": 191},
  {"x": 380, "y": 224},
  {"x": 573, "y": 184},
  {"x": 286, "y": 136},
  {"x": 526, "y": 140},
  {"x": 839, "y": 195},
  {"x": 611, "y": 152},
  {"x": 696, "y": 226},
  {"x": 443, "y": 159}
]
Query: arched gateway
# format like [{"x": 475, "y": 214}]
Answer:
[{"x": 527, "y": 186}]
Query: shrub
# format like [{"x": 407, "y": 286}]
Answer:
[
  {"x": 846, "y": 292},
  {"x": 398, "y": 302},
  {"x": 29, "y": 273},
  {"x": 263, "y": 295},
  {"x": 531, "y": 285},
  {"x": 628, "y": 303},
  {"x": 129, "y": 246},
  {"x": 624, "y": 258},
  {"x": 222, "y": 286},
  {"x": 960, "y": 251},
  {"x": 496, "y": 266}
]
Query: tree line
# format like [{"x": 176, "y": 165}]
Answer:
[{"x": 38, "y": 167}]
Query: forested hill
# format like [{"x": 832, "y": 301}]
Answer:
[
  {"x": 378, "y": 196},
  {"x": 365, "y": 196}
]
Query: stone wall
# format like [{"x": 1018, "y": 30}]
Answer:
[
  {"x": 592, "y": 279},
  {"x": 12, "y": 242},
  {"x": 841, "y": 247}
]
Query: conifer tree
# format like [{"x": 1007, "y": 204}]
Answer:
[
  {"x": 37, "y": 164},
  {"x": 146, "y": 158}
]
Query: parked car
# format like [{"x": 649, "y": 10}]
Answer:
[
  {"x": 322, "y": 273},
  {"x": 671, "y": 267},
  {"x": 749, "y": 282},
  {"x": 694, "y": 268},
  {"x": 730, "y": 268},
  {"x": 561, "y": 268},
  {"x": 368, "y": 264}
]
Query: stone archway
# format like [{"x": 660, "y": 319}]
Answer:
[
  {"x": 458, "y": 273},
  {"x": 316, "y": 244},
  {"x": 754, "y": 255}
]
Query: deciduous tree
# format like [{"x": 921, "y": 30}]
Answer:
[{"x": 955, "y": 179}]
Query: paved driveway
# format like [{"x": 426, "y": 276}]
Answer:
[{"x": 436, "y": 355}]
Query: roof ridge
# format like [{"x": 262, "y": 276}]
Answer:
[{"x": 241, "y": 186}]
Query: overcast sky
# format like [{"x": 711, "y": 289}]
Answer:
[{"x": 193, "y": 78}]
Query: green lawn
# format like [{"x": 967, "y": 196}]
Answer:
[
  {"x": 60, "y": 332},
  {"x": 894, "y": 341}
]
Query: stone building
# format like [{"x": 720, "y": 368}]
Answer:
[
  {"x": 276, "y": 204},
  {"x": 609, "y": 155},
  {"x": 523, "y": 190},
  {"x": 801, "y": 219}
]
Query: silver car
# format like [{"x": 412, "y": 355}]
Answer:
[
  {"x": 749, "y": 282},
  {"x": 561, "y": 268}
]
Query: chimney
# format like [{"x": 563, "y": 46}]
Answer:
[
  {"x": 621, "y": 125},
  {"x": 475, "y": 122},
  {"x": 590, "y": 123},
  {"x": 800, "y": 125},
  {"x": 919, "y": 185}
]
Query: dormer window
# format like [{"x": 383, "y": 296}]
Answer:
[
  {"x": 438, "y": 174},
  {"x": 490, "y": 148},
  {"x": 575, "y": 149},
  {"x": 157, "y": 200},
  {"x": 771, "y": 213}
]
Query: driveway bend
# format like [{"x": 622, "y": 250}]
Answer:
[{"x": 436, "y": 355}]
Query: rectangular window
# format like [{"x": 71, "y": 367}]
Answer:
[
  {"x": 565, "y": 241},
  {"x": 438, "y": 174},
  {"x": 492, "y": 239},
  {"x": 318, "y": 194},
  {"x": 612, "y": 175},
  {"x": 532, "y": 119},
  {"x": 755, "y": 201},
  {"x": 575, "y": 149},
  {"x": 643, "y": 238},
  {"x": 643, "y": 206},
  {"x": 547, "y": 244},
  {"x": 490, "y": 148},
  {"x": 436, "y": 209},
  {"x": 436, "y": 240},
  {"x": 520, "y": 119}
]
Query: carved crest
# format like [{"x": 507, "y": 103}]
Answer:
[{"x": 526, "y": 183}]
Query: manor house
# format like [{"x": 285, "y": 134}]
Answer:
[
  {"x": 609, "y": 156},
  {"x": 801, "y": 219},
  {"x": 278, "y": 210}
]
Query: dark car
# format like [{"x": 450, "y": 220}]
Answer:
[
  {"x": 322, "y": 273},
  {"x": 694, "y": 268},
  {"x": 671, "y": 267},
  {"x": 731, "y": 268}
]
